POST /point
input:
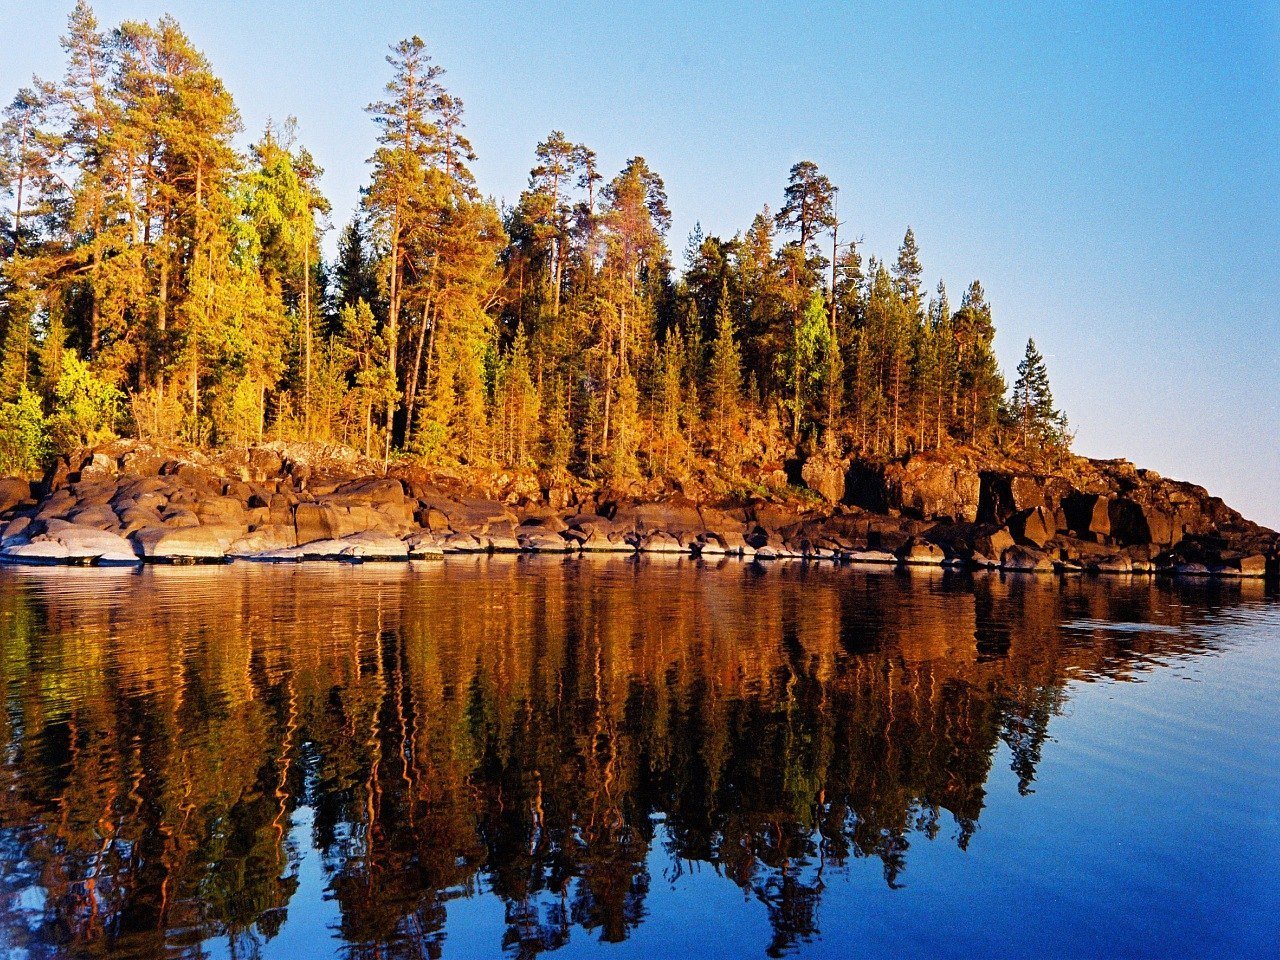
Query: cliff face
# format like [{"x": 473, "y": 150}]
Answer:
[
  {"x": 128, "y": 502},
  {"x": 1087, "y": 513}
]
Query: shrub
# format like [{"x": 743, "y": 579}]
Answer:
[
  {"x": 24, "y": 434},
  {"x": 86, "y": 406}
]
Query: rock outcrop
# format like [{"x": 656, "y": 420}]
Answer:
[{"x": 128, "y": 504}]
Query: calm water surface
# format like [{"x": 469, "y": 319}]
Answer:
[{"x": 616, "y": 759}]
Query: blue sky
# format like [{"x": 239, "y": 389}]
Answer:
[{"x": 1110, "y": 171}]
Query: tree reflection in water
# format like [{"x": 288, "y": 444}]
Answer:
[{"x": 545, "y": 731}]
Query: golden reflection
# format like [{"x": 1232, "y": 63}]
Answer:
[{"x": 539, "y": 728}]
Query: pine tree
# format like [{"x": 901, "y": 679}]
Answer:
[
  {"x": 980, "y": 383},
  {"x": 1039, "y": 423},
  {"x": 557, "y": 431},
  {"x": 624, "y": 442},
  {"x": 907, "y": 271},
  {"x": 724, "y": 386},
  {"x": 943, "y": 387},
  {"x": 808, "y": 207},
  {"x": 809, "y": 345},
  {"x": 669, "y": 407}
]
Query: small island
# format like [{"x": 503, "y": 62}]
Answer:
[{"x": 185, "y": 377}]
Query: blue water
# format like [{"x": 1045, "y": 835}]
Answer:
[{"x": 662, "y": 759}]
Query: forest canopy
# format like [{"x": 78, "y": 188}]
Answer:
[{"x": 160, "y": 280}]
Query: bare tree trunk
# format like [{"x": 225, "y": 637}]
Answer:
[
  {"x": 411, "y": 389},
  {"x": 306, "y": 314}
]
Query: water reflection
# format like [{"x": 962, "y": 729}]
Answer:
[{"x": 177, "y": 741}]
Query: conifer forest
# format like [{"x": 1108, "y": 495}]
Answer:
[{"x": 163, "y": 276}]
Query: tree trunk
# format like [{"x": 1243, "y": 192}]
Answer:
[
  {"x": 411, "y": 388},
  {"x": 306, "y": 314}
]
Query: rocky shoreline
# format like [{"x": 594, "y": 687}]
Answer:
[{"x": 131, "y": 504}]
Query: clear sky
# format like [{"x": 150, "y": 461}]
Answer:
[{"x": 1109, "y": 170}]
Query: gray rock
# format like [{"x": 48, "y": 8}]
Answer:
[
  {"x": 1022, "y": 559},
  {"x": 662, "y": 542},
  {"x": 262, "y": 539},
  {"x": 825, "y": 476},
  {"x": 375, "y": 545},
  {"x": 315, "y": 521},
  {"x": 42, "y": 553},
  {"x": 13, "y": 491},
  {"x": 920, "y": 552},
  {"x": 545, "y": 543},
  {"x": 185, "y": 543},
  {"x": 1120, "y": 563},
  {"x": 871, "y": 556}
]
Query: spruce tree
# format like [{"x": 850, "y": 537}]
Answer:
[{"x": 1039, "y": 423}]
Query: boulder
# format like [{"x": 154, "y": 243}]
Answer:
[
  {"x": 79, "y": 544},
  {"x": 315, "y": 521},
  {"x": 270, "y": 536},
  {"x": 399, "y": 515},
  {"x": 97, "y": 515},
  {"x": 604, "y": 539},
  {"x": 503, "y": 539},
  {"x": 920, "y": 552},
  {"x": 220, "y": 511},
  {"x": 355, "y": 517},
  {"x": 15, "y": 528},
  {"x": 871, "y": 556},
  {"x": 41, "y": 553},
  {"x": 1128, "y": 522},
  {"x": 934, "y": 489},
  {"x": 710, "y": 544},
  {"x": 135, "y": 518},
  {"x": 97, "y": 466},
  {"x": 465, "y": 543},
  {"x": 660, "y": 541},
  {"x": 265, "y": 463},
  {"x": 433, "y": 519},
  {"x": 1034, "y": 527},
  {"x": 184, "y": 543},
  {"x": 549, "y": 524},
  {"x": 477, "y": 515},
  {"x": 1120, "y": 563},
  {"x": 13, "y": 491},
  {"x": 374, "y": 545},
  {"x": 424, "y": 545},
  {"x": 677, "y": 517},
  {"x": 825, "y": 476},
  {"x": 372, "y": 490},
  {"x": 1025, "y": 560},
  {"x": 545, "y": 543},
  {"x": 1088, "y": 516},
  {"x": 1253, "y": 566},
  {"x": 994, "y": 544},
  {"x": 179, "y": 517}
]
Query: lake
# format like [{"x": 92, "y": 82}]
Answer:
[{"x": 612, "y": 757}]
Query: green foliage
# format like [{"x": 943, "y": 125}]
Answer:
[
  {"x": 24, "y": 434},
  {"x": 725, "y": 377},
  {"x": 621, "y": 464},
  {"x": 1039, "y": 423},
  {"x": 86, "y": 406},
  {"x": 554, "y": 335}
]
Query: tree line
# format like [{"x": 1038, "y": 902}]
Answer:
[{"x": 158, "y": 281}]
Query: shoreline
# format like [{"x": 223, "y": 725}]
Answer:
[{"x": 129, "y": 504}]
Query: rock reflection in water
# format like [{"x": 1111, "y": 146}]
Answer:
[{"x": 540, "y": 730}]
